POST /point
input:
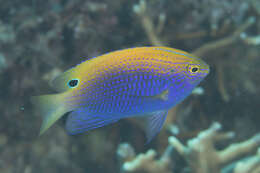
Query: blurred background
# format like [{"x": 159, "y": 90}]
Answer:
[{"x": 41, "y": 39}]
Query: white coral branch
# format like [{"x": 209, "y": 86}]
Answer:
[
  {"x": 251, "y": 165},
  {"x": 147, "y": 162},
  {"x": 147, "y": 23},
  {"x": 203, "y": 157}
]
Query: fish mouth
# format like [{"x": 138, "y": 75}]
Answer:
[
  {"x": 204, "y": 69},
  {"x": 207, "y": 68}
]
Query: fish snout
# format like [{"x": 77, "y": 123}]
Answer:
[{"x": 204, "y": 69}]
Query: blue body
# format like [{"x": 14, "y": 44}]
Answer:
[{"x": 145, "y": 85}]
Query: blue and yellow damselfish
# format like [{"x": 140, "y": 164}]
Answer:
[{"x": 136, "y": 82}]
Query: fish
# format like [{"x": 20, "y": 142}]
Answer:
[{"x": 141, "y": 82}]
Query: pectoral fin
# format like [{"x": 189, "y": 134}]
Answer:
[{"x": 164, "y": 95}]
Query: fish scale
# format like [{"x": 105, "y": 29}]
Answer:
[
  {"x": 111, "y": 87},
  {"x": 136, "y": 87}
]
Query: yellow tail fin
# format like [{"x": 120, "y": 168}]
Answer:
[{"x": 51, "y": 109}]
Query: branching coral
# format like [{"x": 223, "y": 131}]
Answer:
[
  {"x": 143, "y": 162},
  {"x": 247, "y": 165},
  {"x": 147, "y": 23},
  {"x": 215, "y": 45},
  {"x": 200, "y": 153},
  {"x": 250, "y": 165},
  {"x": 203, "y": 157},
  {"x": 149, "y": 27}
]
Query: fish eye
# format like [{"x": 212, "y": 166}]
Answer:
[
  {"x": 73, "y": 83},
  {"x": 193, "y": 69}
]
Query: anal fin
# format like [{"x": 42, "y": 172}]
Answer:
[{"x": 79, "y": 121}]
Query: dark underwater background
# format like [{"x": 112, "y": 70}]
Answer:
[{"x": 216, "y": 129}]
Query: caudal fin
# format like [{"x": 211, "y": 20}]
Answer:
[{"x": 50, "y": 108}]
